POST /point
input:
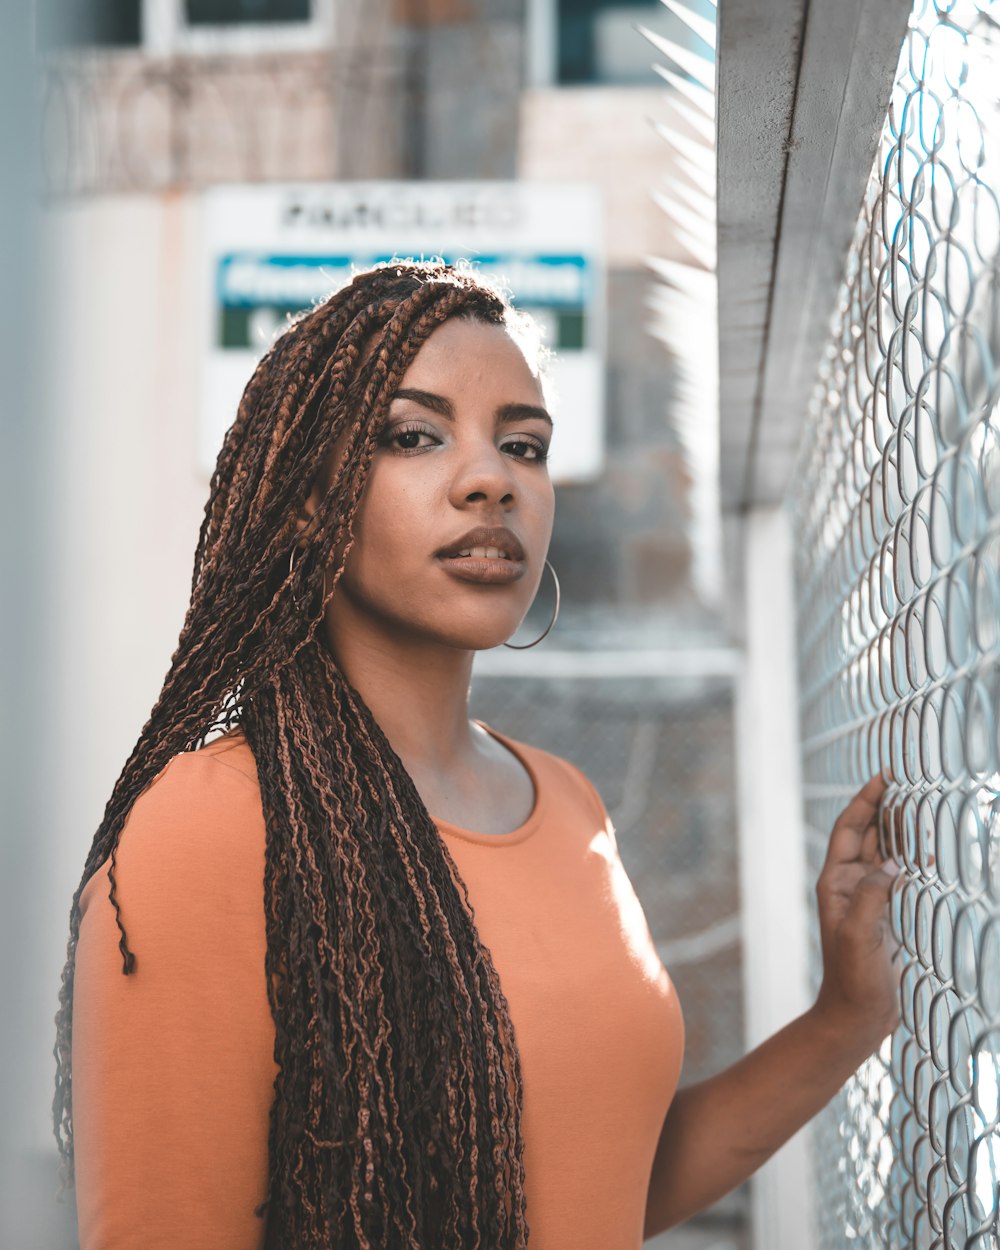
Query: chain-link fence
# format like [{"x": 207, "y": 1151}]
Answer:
[{"x": 897, "y": 505}]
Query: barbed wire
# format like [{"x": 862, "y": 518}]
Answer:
[
  {"x": 115, "y": 122},
  {"x": 360, "y": 106}
]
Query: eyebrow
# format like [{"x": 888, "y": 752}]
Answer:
[{"x": 505, "y": 414}]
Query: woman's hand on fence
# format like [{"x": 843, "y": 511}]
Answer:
[
  {"x": 720, "y": 1130},
  {"x": 858, "y": 1000}
]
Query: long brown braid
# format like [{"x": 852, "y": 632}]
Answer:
[{"x": 396, "y": 1119}]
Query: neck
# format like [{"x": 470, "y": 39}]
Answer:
[{"x": 417, "y": 691}]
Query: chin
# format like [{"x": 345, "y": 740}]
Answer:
[
  {"x": 479, "y": 637},
  {"x": 480, "y": 640}
]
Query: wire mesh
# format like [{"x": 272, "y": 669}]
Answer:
[{"x": 897, "y": 501}]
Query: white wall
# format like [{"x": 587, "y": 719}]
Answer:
[
  {"x": 127, "y": 504},
  {"x": 603, "y": 135}
]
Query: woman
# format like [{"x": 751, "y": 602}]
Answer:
[{"x": 387, "y": 982}]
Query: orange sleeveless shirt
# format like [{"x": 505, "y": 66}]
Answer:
[{"x": 173, "y": 1066}]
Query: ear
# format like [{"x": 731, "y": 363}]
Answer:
[
  {"x": 321, "y": 485},
  {"x": 308, "y": 508}
]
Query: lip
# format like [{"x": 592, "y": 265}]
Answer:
[
  {"x": 490, "y": 572},
  {"x": 504, "y": 540},
  {"x": 485, "y": 570}
]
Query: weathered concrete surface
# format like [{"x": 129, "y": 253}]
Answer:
[{"x": 802, "y": 94}]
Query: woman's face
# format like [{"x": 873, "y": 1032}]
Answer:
[{"x": 463, "y": 449}]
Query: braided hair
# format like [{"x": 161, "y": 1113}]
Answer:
[{"x": 396, "y": 1118}]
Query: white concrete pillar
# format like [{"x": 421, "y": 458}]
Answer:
[{"x": 772, "y": 853}]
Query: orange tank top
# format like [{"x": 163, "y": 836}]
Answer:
[{"x": 173, "y": 1066}]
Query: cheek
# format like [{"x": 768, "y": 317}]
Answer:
[
  {"x": 545, "y": 509},
  {"x": 390, "y": 532}
]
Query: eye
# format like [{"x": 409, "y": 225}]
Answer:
[
  {"x": 527, "y": 449},
  {"x": 408, "y": 438}
]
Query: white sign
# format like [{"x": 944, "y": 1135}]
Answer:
[{"x": 272, "y": 250}]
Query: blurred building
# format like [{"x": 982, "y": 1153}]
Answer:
[{"x": 145, "y": 105}]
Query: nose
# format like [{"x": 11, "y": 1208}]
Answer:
[{"x": 483, "y": 475}]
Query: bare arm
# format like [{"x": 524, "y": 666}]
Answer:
[{"x": 718, "y": 1132}]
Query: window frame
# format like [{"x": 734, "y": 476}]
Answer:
[
  {"x": 541, "y": 47},
  {"x": 165, "y": 32}
]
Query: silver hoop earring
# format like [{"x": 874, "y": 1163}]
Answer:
[
  {"x": 303, "y": 602},
  {"x": 296, "y": 549},
  {"x": 524, "y": 646}
]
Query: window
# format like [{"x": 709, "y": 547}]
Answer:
[
  {"x": 229, "y": 27},
  {"x": 231, "y": 12},
  {"x": 88, "y": 23},
  {"x": 165, "y": 27},
  {"x": 596, "y": 40}
]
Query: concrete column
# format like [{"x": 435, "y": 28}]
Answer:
[
  {"x": 772, "y": 856},
  {"x": 429, "y": 88},
  {"x": 37, "y": 612}
]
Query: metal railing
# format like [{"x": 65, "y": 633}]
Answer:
[{"x": 896, "y": 502}]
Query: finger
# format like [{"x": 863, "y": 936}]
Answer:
[
  {"x": 850, "y": 826},
  {"x": 835, "y": 892},
  {"x": 871, "y": 896},
  {"x": 869, "y": 845},
  {"x": 896, "y": 831},
  {"x": 842, "y": 880}
]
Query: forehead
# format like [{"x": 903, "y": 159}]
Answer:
[{"x": 471, "y": 353}]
